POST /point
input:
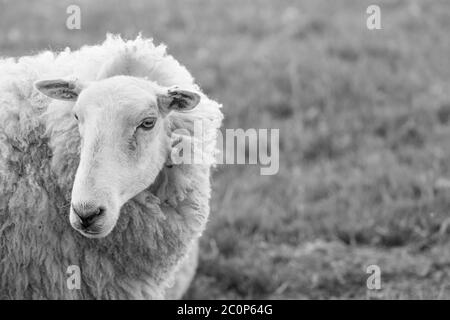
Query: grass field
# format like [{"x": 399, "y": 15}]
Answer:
[{"x": 364, "y": 119}]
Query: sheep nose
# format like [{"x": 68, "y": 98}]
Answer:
[{"x": 87, "y": 214}]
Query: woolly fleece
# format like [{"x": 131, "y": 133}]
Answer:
[{"x": 39, "y": 149}]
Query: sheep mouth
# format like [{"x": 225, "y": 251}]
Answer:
[{"x": 91, "y": 234}]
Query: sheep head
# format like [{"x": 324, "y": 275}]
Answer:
[{"x": 124, "y": 142}]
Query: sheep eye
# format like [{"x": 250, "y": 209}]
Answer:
[
  {"x": 75, "y": 115},
  {"x": 147, "y": 123}
]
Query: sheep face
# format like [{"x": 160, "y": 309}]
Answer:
[{"x": 124, "y": 143}]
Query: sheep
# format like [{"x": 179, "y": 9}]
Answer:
[{"x": 86, "y": 177}]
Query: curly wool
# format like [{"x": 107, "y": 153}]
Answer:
[{"x": 147, "y": 251}]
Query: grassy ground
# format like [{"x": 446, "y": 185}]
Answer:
[{"x": 364, "y": 119}]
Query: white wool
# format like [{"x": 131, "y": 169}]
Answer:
[{"x": 23, "y": 113}]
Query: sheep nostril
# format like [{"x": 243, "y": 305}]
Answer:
[
  {"x": 101, "y": 211},
  {"x": 88, "y": 217},
  {"x": 95, "y": 212}
]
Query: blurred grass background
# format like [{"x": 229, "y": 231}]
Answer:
[{"x": 364, "y": 119}]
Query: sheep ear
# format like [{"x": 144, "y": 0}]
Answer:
[
  {"x": 177, "y": 99},
  {"x": 60, "y": 89}
]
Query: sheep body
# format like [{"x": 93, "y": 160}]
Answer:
[{"x": 148, "y": 251}]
